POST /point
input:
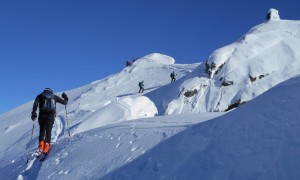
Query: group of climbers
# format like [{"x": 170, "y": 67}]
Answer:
[
  {"x": 46, "y": 102},
  {"x": 141, "y": 84},
  {"x": 129, "y": 63}
]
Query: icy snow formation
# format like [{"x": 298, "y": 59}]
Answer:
[{"x": 274, "y": 15}]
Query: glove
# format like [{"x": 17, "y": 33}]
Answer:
[
  {"x": 64, "y": 96},
  {"x": 33, "y": 115}
]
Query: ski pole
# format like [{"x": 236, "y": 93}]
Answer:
[
  {"x": 30, "y": 143},
  {"x": 67, "y": 120}
]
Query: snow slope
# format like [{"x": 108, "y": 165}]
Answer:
[
  {"x": 111, "y": 100},
  {"x": 88, "y": 101},
  {"x": 259, "y": 140},
  {"x": 265, "y": 56},
  {"x": 247, "y": 143},
  {"x": 93, "y": 154}
]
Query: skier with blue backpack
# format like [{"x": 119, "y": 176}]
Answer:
[{"x": 46, "y": 102}]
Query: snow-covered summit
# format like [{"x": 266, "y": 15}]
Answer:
[
  {"x": 160, "y": 58},
  {"x": 265, "y": 56}
]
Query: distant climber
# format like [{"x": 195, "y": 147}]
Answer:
[
  {"x": 141, "y": 85},
  {"x": 172, "y": 75},
  {"x": 134, "y": 60},
  {"x": 46, "y": 102}
]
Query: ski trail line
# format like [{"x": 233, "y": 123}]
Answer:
[
  {"x": 32, "y": 168},
  {"x": 57, "y": 129}
]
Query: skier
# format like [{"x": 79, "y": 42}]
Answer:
[
  {"x": 46, "y": 101},
  {"x": 141, "y": 85},
  {"x": 172, "y": 75}
]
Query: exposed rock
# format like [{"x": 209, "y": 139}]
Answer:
[
  {"x": 261, "y": 76},
  {"x": 234, "y": 105},
  {"x": 252, "y": 79},
  {"x": 227, "y": 83},
  {"x": 190, "y": 93},
  {"x": 220, "y": 67},
  {"x": 206, "y": 67}
]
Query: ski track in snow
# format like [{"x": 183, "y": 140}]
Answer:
[
  {"x": 123, "y": 141},
  {"x": 32, "y": 168}
]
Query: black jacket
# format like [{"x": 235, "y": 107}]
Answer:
[{"x": 37, "y": 103}]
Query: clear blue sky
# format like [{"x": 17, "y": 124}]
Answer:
[{"x": 65, "y": 44}]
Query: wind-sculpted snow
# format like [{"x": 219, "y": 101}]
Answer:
[{"x": 118, "y": 111}]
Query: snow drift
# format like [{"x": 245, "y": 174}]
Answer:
[{"x": 118, "y": 111}]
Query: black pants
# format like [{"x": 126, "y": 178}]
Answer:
[
  {"x": 46, "y": 123},
  {"x": 141, "y": 90}
]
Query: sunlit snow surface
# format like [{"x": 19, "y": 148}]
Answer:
[{"x": 118, "y": 133}]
